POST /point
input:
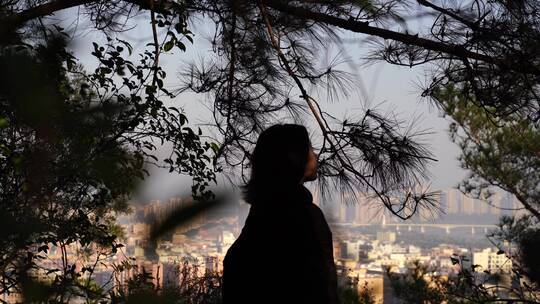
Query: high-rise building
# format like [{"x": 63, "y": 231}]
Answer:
[
  {"x": 347, "y": 208},
  {"x": 483, "y": 207},
  {"x": 331, "y": 210},
  {"x": 496, "y": 203},
  {"x": 152, "y": 207},
  {"x": 362, "y": 212},
  {"x": 468, "y": 204},
  {"x": 443, "y": 201},
  {"x": 520, "y": 210},
  {"x": 370, "y": 210},
  {"x": 453, "y": 199},
  {"x": 348, "y": 212}
]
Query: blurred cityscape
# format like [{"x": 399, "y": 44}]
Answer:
[{"x": 367, "y": 241}]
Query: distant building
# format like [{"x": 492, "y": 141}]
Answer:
[
  {"x": 225, "y": 240},
  {"x": 212, "y": 264},
  {"x": 179, "y": 238},
  {"x": 443, "y": 201},
  {"x": 347, "y": 212},
  {"x": 362, "y": 213},
  {"x": 488, "y": 259},
  {"x": 349, "y": 250},
  {"x": 453, "y": 199},
  {"x": 331, "y": 211},
  {"x": 484, "y": 207},
  {"x": 496, "y": 201},
  {"x": 467, "y": 205},
  {"x": 141, "y": 229},
  {"x": 386, "y": 237}
]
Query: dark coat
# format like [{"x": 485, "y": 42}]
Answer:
[{"x": 283, "y": 254}]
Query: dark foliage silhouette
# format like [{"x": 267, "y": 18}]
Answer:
[{"x": 73, "y": 148}]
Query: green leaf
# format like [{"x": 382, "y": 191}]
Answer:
[
  {"x": 179, "y": 27},
  {"x": 214, "y": 147},
  {"x": 168, "y": 45},
  {"x": 126, "y": 44},
  {"x": 18, "y": 161},
  {"x": 3, "y": 123},
  {"x": 180, "y": 45},
  {"x": 183, "y": 119}
]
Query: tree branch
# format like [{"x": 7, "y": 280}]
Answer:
[
  {"x": 16, "y": 20},
  {"x": 164, "y": 6},
  {"x": 444, "y": 11},
  {"x": 414, "y": 40}
]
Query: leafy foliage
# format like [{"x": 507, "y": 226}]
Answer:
[
  {"x": 349, "y": 290},
  {"x": 517, "y": 239},
  {"x": 500, "y": 153},
  {"x": 350, "y": 294},
  {"x": 422, "y": 284},
  {"x": 73, "y": 148},
  {"x": 419, "y": 285},
  {"x": 192, "y": 288},
  {"x": 498, "y": 134}
]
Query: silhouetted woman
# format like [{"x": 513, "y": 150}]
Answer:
[{"x": 284, "y": 253}]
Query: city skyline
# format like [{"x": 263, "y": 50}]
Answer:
[{"x": 367, "y": 209}]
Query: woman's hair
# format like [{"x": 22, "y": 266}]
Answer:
[{"x": 278, "y": 161}]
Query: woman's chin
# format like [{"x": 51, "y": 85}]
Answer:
[{"x": 311, "y": 178}]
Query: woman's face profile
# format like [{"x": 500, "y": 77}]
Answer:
[{"x": 310, "y": 173}]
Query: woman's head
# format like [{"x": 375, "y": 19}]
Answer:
[{"x": 283, "y": 158}]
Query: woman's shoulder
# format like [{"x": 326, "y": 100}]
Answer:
[
  {"x": 316, "y": 212},
  {"x": 319, "y": 222}
]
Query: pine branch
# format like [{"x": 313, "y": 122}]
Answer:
[
  {"x": 13, "y": 21},
  {"x": 363, "y": 27}
]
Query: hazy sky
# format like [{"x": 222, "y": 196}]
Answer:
[{"x": 391, "y": 87}]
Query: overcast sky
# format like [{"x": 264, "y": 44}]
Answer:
[{"x": 390, "y": 87}]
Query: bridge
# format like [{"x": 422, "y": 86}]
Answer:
[{"x": 422, "y": 227}]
